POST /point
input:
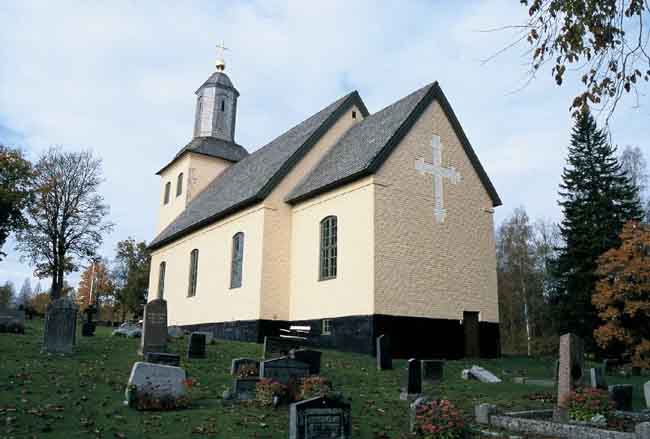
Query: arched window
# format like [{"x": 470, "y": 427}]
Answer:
[
  {"x": 161, "y": 279},
  {"x": 237, "y": 260},
  {"x": 223, "y": 105},
  {"x": 168, "y": 189},
  {"x": 328, "y": 248},
  {"x": 194, "y": 268},
  {"x": 179, "y": 184}
]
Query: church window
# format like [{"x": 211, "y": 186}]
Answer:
[
  {"x": 161, "y": 279},
  {"x": 328, "y": 250},
  {"x": 194, "y": 266},
  {"x": 327, "y": 327},
  {"x": 223, "y": 105},
  {"x": 179, "y": 184},
  {"x": 168, "y": 189},
  {"x": 237, "y": 260}
]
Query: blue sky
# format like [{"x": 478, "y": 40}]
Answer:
[{"x": 119, "y": 78}]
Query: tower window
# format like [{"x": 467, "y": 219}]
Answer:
[
  {"x": 354, "y": 114},
  {"x": 168, "y": 189},
  {"x": 328, "y": 248},
  {"x": 194, "y": 268},
  {"x": 223, "y": 105},
  {"x": 179, "y": 184}
]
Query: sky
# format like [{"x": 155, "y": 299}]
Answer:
[{"x": 119, "y": 77}]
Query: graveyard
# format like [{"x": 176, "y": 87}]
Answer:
[{"x": 82, "y": 394}]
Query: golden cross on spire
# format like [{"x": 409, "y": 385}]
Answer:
[{"x": 221, "y": 63}]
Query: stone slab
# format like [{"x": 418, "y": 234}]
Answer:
[
  {"x": 163, "y": 358},
  {"x": 309, "y": 356},
  {"x": 12, "y": 320},
  {"x": 196, "y": 345},
  {"x": 158, "y": 380},
  {"x": 154, "y": 327},
  {"x": 555, "y": 429},
  {"x": 622, "y": 395},
  {"x": 482, "y": 413},
  {"x": 275, "y": 347},
  {"x": 384, "y": 357},
  {"x": 60, "y": 332},
  {"x": 244, "y": 389},
  {"x": 433, "y": 370},
  {"x": 646, "y": 393},
  {"x": 320, "y": 418},
  {"x": 283, "y": 369},
  {"x": 237, "y": 363},
  {"x": 483, "y": 375}
]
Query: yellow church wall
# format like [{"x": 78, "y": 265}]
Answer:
[
  {"x": 203, "y": 169},
  {"x": 423, "y": 268},
  {"x": 176, "y": 205},
  {"x": 276, "y": 284},
  {"x": 351, "y": 292},
  {"x": 214, "y": 301}
]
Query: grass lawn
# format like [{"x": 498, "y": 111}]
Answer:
[{"x": 53, "y": 396}]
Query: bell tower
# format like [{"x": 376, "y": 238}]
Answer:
[{"x": 216, "y": 104}]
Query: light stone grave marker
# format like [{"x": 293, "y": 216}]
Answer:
[
  {"x": 322, "y": 417},
  {"x": 384, "y": 358},
  {"x": 646, "y": 392},
  {"x": 484, "y": 375},
  {"x": 597, "y": 378},
  {"x": 439, "y": 172},
  {"x": 154, "y": 327},
  {"x": 570, "y": 375},
  {"x": 157, "y": 380},
  {"x": 60, "y": 331}
]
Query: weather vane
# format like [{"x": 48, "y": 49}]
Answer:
[{"x": 221, "y": 63}]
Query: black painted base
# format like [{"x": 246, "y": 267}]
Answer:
[{"x": 411, "y": 337}]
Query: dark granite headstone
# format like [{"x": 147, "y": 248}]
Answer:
[
  {"x": 309, "y": 356},
  {"x": 283, "y": 369},
  {"x": 384, "y": 358},
  {"x": 596, "y": 378},
  {"x": 238, "y": 363},
  {"x": 88, "y": 327},
  {"x": 196, "y": 345},
  {"x": 163, "y": 358},
  {"x": 621, "y": 394},
  {"x": 12, "y": 320},
  {"x": 245, "y": 388},
  {"x": 413, "y": 386},
  {"x": 432, "y": 370},
  {"x": 322, "y": 417},
  {"x": 154, "y": 327},
  {"x": 280, "y": 346},
  {"x": 60, "y": 326},
  {"x": 610, "y": 365}
]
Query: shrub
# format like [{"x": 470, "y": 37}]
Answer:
[
  {"x": 248, "y": 371},
  {"x": 585, "y": 403},
  {"x": 268, "y": 388},
  {"x": 439, "y": 419},
  {"x": 314, "y": 386}
]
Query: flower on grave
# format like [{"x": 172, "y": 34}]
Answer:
[
  {"x": 313, "y": 386},
  {"x": 188, "y": 383},
  {"x": 584, "y": 404},
  {"x": 439, "y": 419},
  {"x": 267, "y": 388},
  {"x": 248, "y": 371}
]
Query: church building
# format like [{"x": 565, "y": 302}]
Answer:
[{"x": 356, "y": 224}]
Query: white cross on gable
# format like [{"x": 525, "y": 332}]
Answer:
[{"x": 438, "y": 173}]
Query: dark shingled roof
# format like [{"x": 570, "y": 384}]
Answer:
[
  {"x": 213, "y": 147},
  {"x": 363, "y": 149},
  {"x": 218, "y": 79},
  {"x": 251, "y": 179}
]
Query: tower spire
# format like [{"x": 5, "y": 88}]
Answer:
[{"x": 221, "y": 63}]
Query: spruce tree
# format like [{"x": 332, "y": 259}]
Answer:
[{"x": 597, "y": 198}]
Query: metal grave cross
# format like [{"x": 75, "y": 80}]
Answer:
[{"x": 438, "y": 173}]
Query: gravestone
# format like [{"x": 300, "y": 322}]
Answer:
[
  {"x": 209, "y": 336},
  {"x": 196, "y": 345},
  {"x": 413, "y": 386},
  {"x": 88, "y": 327},
  {"x": 309, "y": 356},
  {"x": 280, "y": 346},
  {"x": 154, "y": 327},
  {"x": 60, "y": 330},
  {"x": 609, "y": 365},
  {"x": 482, "y": 413},
  {"x": 621, "y": 395},
  {"x": 384, "y": 358},
  {"x": 238, "y": 363},
  {"x": 155, "y": 380},
  {"x": 596, "y": 378},
  {"x": 163, "y": 358},
  {"x": 432, "y": 370},
  {"x": 323, "y": 417},
  {"x": 12, "y": 320},
  {"x": 283, "y": 369},
  {"x": 646, "y": 393},
  {"x": 570, "y": 373},
  {"x": 484, "y": 375},
  {"x": 244, "y": 389},
  {"x": 175, "y": 332}
]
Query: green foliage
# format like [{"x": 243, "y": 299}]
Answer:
[
  {"x": 131, "y": 275},
  {"x": 597, "y": 199},
  {"x": 439, "y": 419},
  {"x": 7, "y": 294},
  {"x": 585, "y": 403},
  {"x": 15, "y": 191}
]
